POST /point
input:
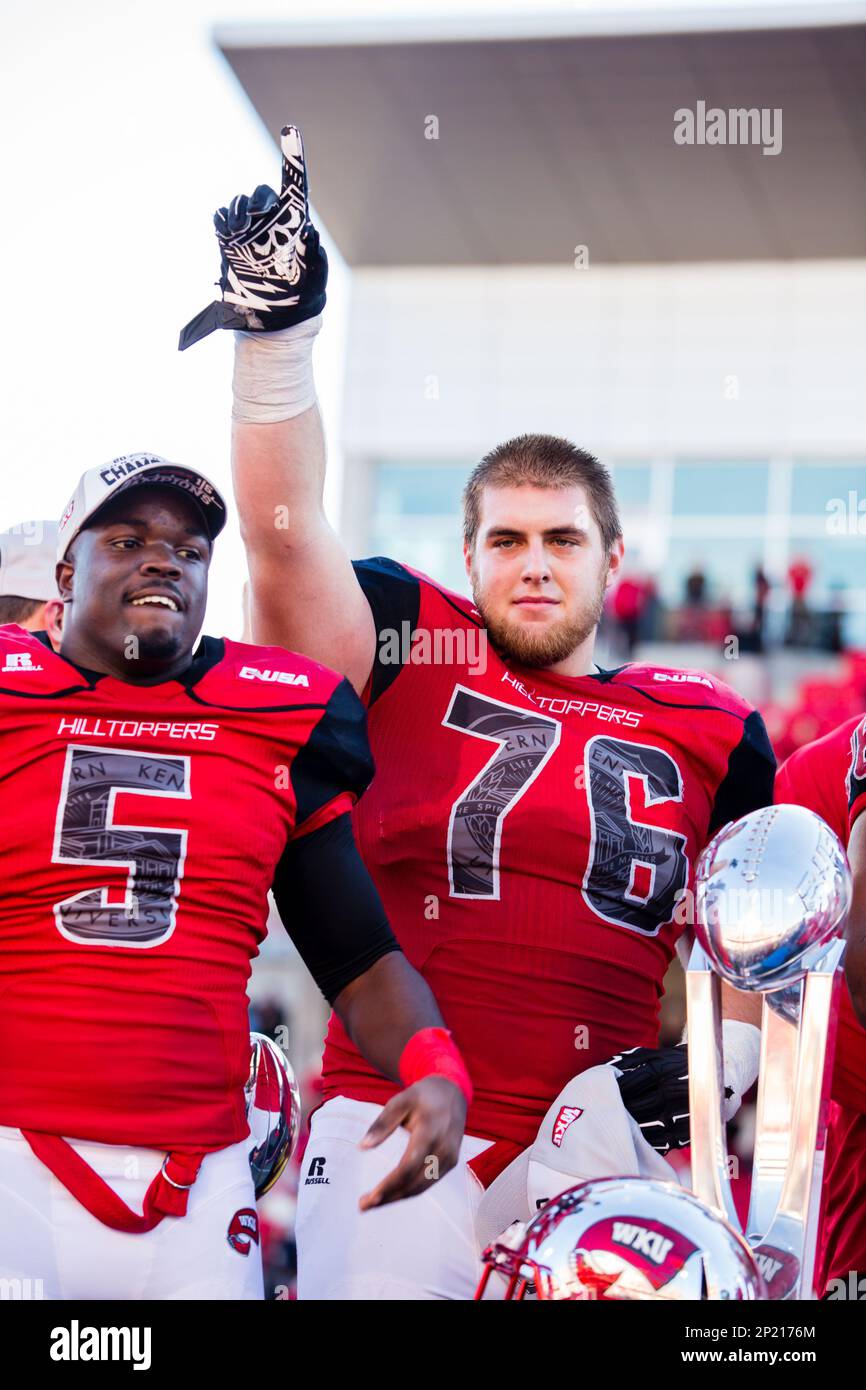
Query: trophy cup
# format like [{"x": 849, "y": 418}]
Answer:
[{"x": 772, "y": 894}]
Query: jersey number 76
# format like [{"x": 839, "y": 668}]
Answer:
[{"x": 635, "y": 870}]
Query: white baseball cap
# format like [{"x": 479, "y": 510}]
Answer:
[
  {"x": 99, "y": 485},
  {"x": 28, "y": 555}
]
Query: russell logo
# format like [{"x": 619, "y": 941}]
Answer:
[
  {"x": 566, "y": 1117},
  {"x": 243, "y": 1228},
  {"x": 20, "y": 661},
  {"x": 316, "y": 1173}
]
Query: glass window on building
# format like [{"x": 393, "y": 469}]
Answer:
[
  {"x": 419, "y": 489},
  {"x": 416, "y": 517},
  {"x": 633, "y": 485},
  {"x": 436, "y": 551},
  {"x": 718, "y": 487},
  {"x": 820, "y": 490}
]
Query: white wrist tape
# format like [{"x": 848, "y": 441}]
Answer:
[
  {"x": 741, "y": 1044},
  {"x": 273, "y": 376}
]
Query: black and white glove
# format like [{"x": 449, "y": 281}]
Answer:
[
  {"x": 274, "y": 270},
  {"x": 654, "y": 1083},
  {"x": 654, "y": 1086}
]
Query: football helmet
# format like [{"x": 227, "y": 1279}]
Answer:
[
  {"x": 273, "y": 1104},
  {"x": 624, "y": 1239}
]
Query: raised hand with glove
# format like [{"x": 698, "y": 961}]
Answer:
[{"x": 273, "y": 268}]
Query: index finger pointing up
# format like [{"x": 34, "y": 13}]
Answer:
[{"x": 294, "y": 181}]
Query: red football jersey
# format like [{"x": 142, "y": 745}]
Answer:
[
  {"x": 143, "y": 827},
  {"x": 531, "y": 836},
  {"x": 817, "y": 777}
]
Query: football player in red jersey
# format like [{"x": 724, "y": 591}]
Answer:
[
  {"x": 533, "y": 822},
  {"x": 829, "y": 777},
  {"x": 153, "y": 796}
]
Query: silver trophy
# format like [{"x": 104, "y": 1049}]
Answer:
[{"x": 772, "y": 894}]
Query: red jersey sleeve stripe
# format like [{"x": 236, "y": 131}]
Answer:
[{"x": 343, "y": 802}]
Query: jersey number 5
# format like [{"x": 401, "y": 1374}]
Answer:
[{"x": 86, "y": 834}]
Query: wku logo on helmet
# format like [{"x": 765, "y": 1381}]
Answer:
[
  {"x": 249, "y": 673},
  {"x": 243, "y": 1228},
  {"x": 656, "y": 1251},
  {"x": 566, "y": 1117}
]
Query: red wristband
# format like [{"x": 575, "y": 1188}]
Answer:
[{"x": 430, "y": 1052}]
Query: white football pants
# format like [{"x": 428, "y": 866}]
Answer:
[
  {"x": 420, "y": 1248},
  {"x": 52, "y": 1247}
]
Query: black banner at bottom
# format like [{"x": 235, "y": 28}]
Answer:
[{"x": 248, "y": 1338}]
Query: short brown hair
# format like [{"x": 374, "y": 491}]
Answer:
[
  {"x": 18, "y": 610},
  {"x": 542, "y": 460}
]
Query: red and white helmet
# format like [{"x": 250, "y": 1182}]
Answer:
[
  {"x": 273, "y": 1104},
  {"x": 624, "y": 1238}
]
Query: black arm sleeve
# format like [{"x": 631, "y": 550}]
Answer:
[
  {"x": 748, "y": 783},
  {"x": 394, "y": 596},
  {"x": 335, "y": 758},
  {"x": 330, "y": 907}
]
